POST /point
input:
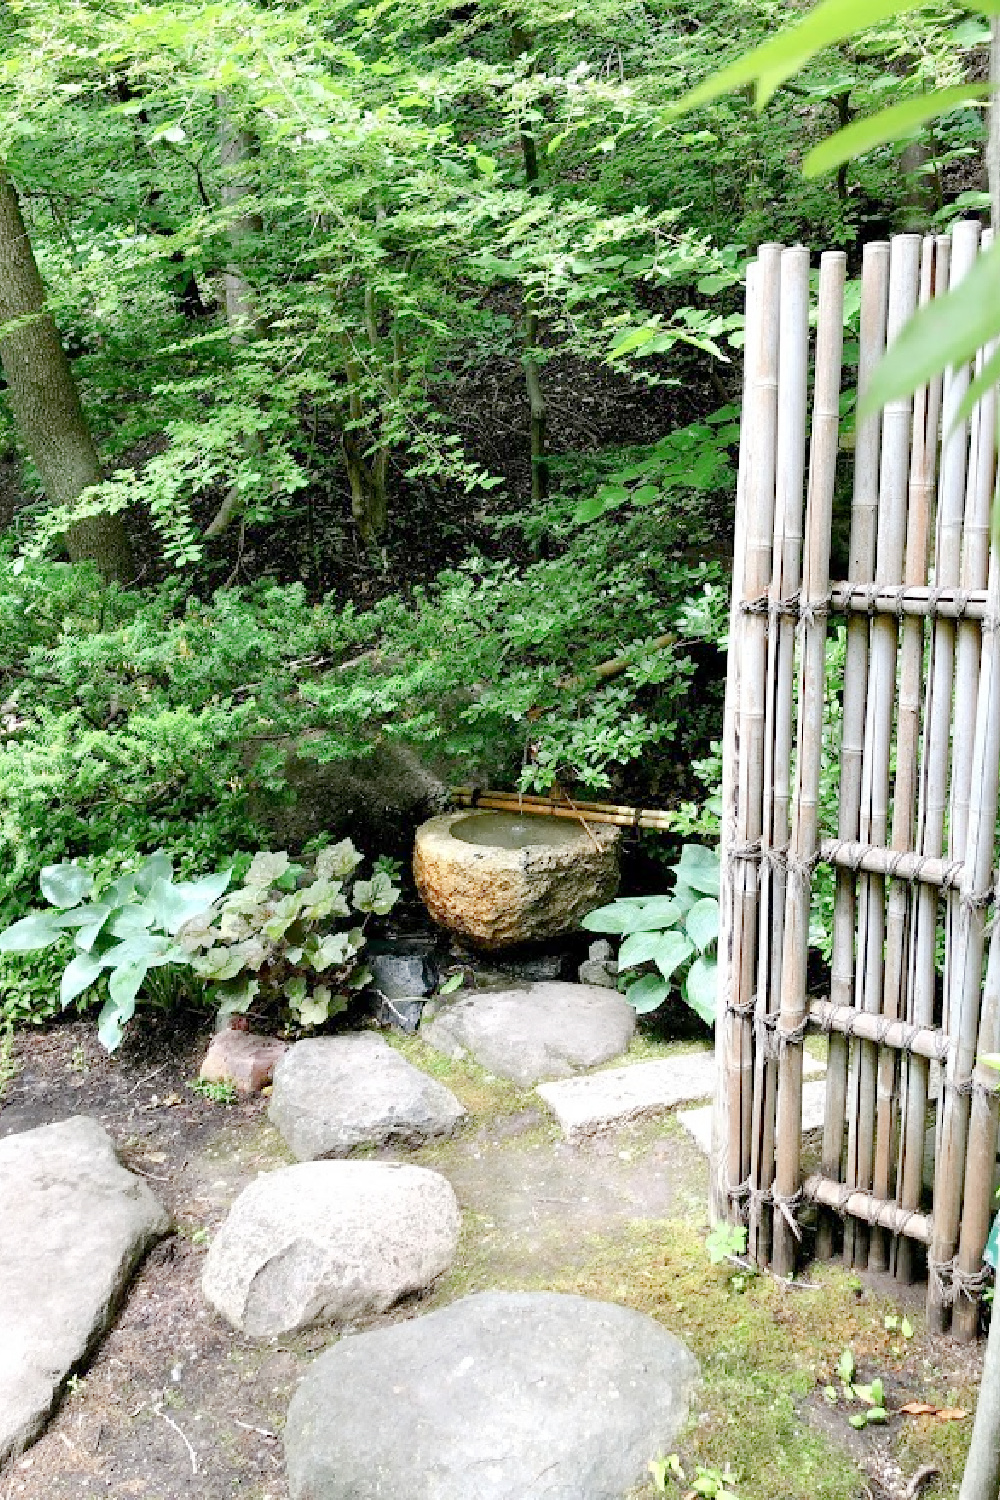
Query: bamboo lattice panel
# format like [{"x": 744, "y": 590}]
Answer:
[{"x": 898, "y": 667}]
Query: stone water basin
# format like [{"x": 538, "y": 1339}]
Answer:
[{"x": 500, "y": 880}]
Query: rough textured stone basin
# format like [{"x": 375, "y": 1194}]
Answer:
[{"x": 498, "y": 880}]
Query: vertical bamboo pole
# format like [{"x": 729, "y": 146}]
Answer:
[
  {"x": 804, "y": 842},
  {"x": 786, "y": 570},
  {"x": 923, "y": 921},
  {"x": 923, "y": 466},
  {"x": 904, "y": 275},
  {"x": 864, "y": 511},
  {"x": 752, "y": 672},
  {"x": 969, "y": 932},
  {"x": 720, "y": 1182},
  {"x": 980, "y": 1162}
]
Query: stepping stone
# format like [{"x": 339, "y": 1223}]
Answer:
[
  {"x": 74, "y": 1226},
  {"x": 536, "y": 1031},
  {"x": 605, "y": 1100},
  {"x": 327, "y": 1241},
  {"x": 333, "y": 1093},
  {"x": 242, "y": 1058},
  {"x": 505, "y": 1396},
  {"x": 698, "y": 1122}
]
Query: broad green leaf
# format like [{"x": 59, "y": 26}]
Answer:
[
  {"x": 78, "y": 975},
  {"x": 618, "y": 917},
  {"x": 126, "y": 982},
  {"x": 701, "y": 989},
  {"x": 131, "y": 919},
  {"x": 631, "y": 340},
  {"x": 236, "y": 1000},
  {"x": 337, "y": 861},
  {"x": 111, "y": 1021},
  {"x": 88, "y": 935},
  {"x": 699, "y": 868},
  {"x": 770, "y": 65},
  {"x": 891, "y": 124},
  {"x": 590, "y": 510},
  {"x": 265, "y": 870},
  {"x": 639, "y": 948},
  {"x": 948, "y": 331},
  {"x": 30, "y": 934},
  {"x": 702, "y": 924},
  {"x": 148, "y": 949},
  {"x": 377, "y": 895},
  {"x": 65, "y": 885},
  {"x": 81, "y": 916},
  {"x": 655, "y": 914},
  {"x": 988, "y": 377},
  {"x": 648, "y": 993},
  {"x": 173, "y": 905},
  {"x": 158, "y": 866},
  {"x": 672, "y": 950}
]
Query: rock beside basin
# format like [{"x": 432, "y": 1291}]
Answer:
[
  {"x": 495, "y": 897},
  {"x": 536, "y": 1031}
]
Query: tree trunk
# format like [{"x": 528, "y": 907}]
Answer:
[
  {"x": 236, "y": 150},
  {"x": 44, "y": 397},
  {"x": 520, "y": 43},
  {"x": 981, "y": 1480}
]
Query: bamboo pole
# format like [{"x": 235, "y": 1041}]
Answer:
[
  {"x": 852, "y": 855},
  {"x": 804, "y": 841},
  {"x": 752, "y": 671},
  {"x": 968, "y": 1145},
  {"x": 929, "y": 602},
  {"x": 980, "y": 1161},
  {"x": 952, "y": 1121},
  {"x": 923, "y": 468},
  {"x": 927, "y": 1042},
  {"x": 619, "y": 817},
  {"x": 786, "y": 570},
  {"x": 875, "y": 1211},
  {"x": 874, "y": 306},
  {"x": 904, "y": 272}
]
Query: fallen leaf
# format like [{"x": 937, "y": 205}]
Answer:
[{"x": 939, "y": 1413}]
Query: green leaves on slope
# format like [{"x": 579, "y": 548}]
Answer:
[{"x": 888, "y": 125}]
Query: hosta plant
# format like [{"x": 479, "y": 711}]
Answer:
[
  {"x": 669, "y": 941},
  {"x": 291, "y": 933},
  {"x": 117, "y": 937}
]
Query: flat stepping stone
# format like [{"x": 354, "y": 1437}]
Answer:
[
  {"x": 333, "y": 1093},
  {"x": 605, "y": 1100},
  {"x": 505, "y": 1396},
  {"x": 535, "y": 1031},
  {"x": 74, "y": 1226},
  {"x": 328, "y": 1241},
  {"x": 698, "y": 1122}
]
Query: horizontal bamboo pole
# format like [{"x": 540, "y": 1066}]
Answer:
[
  {"x": 925, "y": 1041},
  {"x": 849, "y": 854},
  {"x": 878, "y": 1211},
  {"x": 621, "y": 817},
  {"x": 916, "y": 601}
]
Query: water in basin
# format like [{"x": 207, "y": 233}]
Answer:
[{"x": 510, "y": 831}]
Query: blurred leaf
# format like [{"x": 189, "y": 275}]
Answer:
[{"x": 888, "y": 125}]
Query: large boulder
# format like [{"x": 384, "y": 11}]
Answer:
[
  {"x": 535, "y": 1032},
  {"x": 334, "y": 1093},
  {"x": 505, "y": 1396},
  {"x": 377, "y": 799},
  {"x": 74, "y": 1225},
  {"x": 327, "y": 1241},
  {"x": 498, "y": 881}
]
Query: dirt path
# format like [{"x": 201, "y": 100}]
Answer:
[{"x": 175, "y": 1404}]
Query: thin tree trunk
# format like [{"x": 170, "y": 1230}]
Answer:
[
  {"x": 981, "y": 1480},
  {"x": 44, "y": 398},
  {"x": 236, "y": 150},
  {"x": 993, "y": 145},
  {"x": 520, "y": 42}
]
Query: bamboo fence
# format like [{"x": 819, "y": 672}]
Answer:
[{"x": 912, "y": 846}]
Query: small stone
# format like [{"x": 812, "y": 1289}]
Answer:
[
  {"x": 487, "y": 1396},
  {"x": 242, "y": 1058},
  {"x": 599, "y": 952},
  {"x": 593, "y": 971},
  {"x": 535, "y": 967},
  {"x": 334, "y": 1093},
  {"x": 329, "y": 1241},
  {"x": 401, "y": 975},
  {"x": 74, "y": 1226},
  {"x": 535, "y": 1031},
  {"x": 605, "y": 1100}
]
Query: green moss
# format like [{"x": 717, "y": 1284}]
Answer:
[{"x": 485, "y": 1096}]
